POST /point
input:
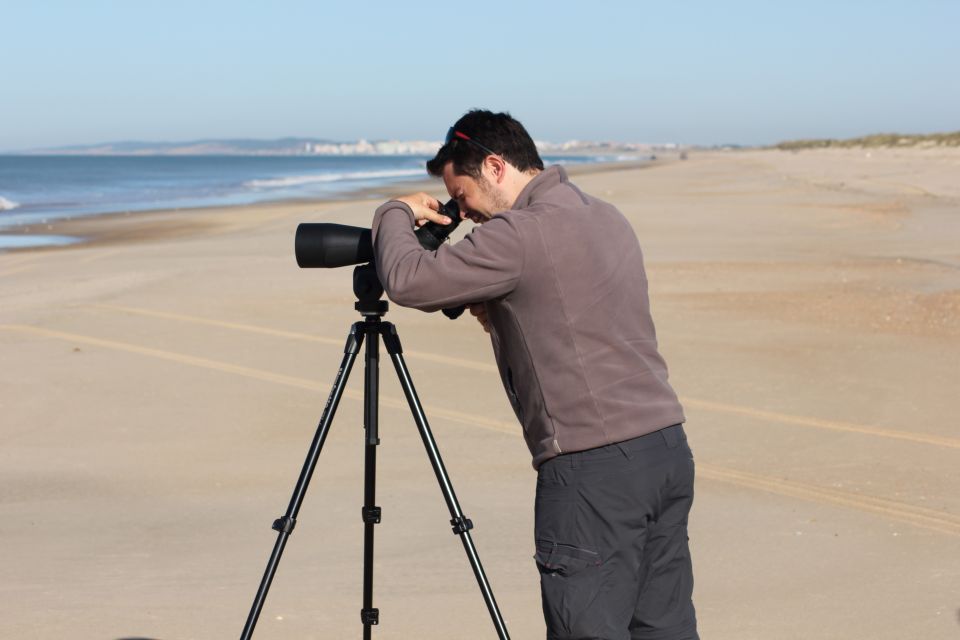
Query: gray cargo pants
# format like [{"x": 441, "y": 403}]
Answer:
[{"x": 611, "y": 540}]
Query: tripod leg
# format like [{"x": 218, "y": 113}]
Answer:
[
  {"x": 285, "y": 524},
  {"x": 461, "y": 524}
]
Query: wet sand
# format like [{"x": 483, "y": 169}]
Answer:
[{"x": 161, "y": 384}]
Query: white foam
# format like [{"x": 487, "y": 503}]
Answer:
[
  {"x": 24, "y": 241},
  {"x": 7, "y": 205},
  {"x": 296, "y": 181}
]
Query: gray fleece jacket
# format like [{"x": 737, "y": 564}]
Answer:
[{"x": 562, "y": 278}]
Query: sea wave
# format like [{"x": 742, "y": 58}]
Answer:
[
  {"x": 7, "y": 205},
  {"x": 296, "y": 181}
]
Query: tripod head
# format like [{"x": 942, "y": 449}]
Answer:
[{"x": 368, "y": 289}]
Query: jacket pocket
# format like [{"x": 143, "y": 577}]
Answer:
[{"x": 512, "y": 395}]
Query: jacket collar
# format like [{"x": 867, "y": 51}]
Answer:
[{"x": 541, "y": 183}]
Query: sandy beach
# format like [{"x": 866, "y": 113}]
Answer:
[{"x": 161, "y": 384}]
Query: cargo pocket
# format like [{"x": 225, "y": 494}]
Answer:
[{"x": 569, "y": 584}]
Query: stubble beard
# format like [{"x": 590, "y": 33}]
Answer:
[{"x": 498, "y": 202}]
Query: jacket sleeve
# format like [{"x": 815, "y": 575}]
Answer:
[{"x": 484, "y": 265}]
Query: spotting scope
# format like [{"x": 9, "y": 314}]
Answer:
[{"x": 326, "y": 245}]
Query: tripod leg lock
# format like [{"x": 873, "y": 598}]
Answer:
[
  {"x": 461, "y": 525},
  {"x": 371, "y": 515},
  {"x": 370, "y": 616},
  {"x": 390, "y": 338},
  {"x": 284, "y": 525}
]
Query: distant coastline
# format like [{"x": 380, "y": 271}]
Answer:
[{"x": 320, "y": 147}]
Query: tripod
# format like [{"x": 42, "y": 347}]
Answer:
[{"x": 368, "y": 290}]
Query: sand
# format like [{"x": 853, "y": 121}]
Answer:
[{"x": 161, "y": 383}]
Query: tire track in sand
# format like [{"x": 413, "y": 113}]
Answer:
[
  {"x": 930, "y": 519},
  {"x": 706, "y": 405}
]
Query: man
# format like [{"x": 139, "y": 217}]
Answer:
[{"x": 557, "y": 279}]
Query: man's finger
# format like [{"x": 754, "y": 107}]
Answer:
[
  {"x": 423, "y": 199},
  {"x": 434, "y": 216},
  {"x": 430, "y": 201}
]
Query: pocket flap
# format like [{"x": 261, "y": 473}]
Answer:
[{"x": 564, "y": 559}]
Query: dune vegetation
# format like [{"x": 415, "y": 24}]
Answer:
[{"x": 877, "y": 140}]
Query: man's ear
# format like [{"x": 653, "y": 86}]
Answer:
[{"x": 497, "y": 167}]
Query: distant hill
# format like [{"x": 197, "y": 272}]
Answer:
[
  {"x": 877, "y": 140},
  {"x": 315, "y": 146}
]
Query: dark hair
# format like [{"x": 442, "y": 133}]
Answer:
[{"x": 499, "y": 132}]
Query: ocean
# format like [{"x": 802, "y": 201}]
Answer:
[{"x": 40, "y": 189}]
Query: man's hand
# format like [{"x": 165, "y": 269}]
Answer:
[
  {"x": 479, "y": 311},
  {"x": 425, "y": 207}
]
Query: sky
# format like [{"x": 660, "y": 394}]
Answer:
[{"x": 82, "y": 72}]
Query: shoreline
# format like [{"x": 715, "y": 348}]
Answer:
[{"x": 118, "y": 227}]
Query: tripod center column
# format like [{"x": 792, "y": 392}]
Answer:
[{"x": 370, "y": 615}]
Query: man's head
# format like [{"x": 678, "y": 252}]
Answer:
[{"x": 485, "y": 162}]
